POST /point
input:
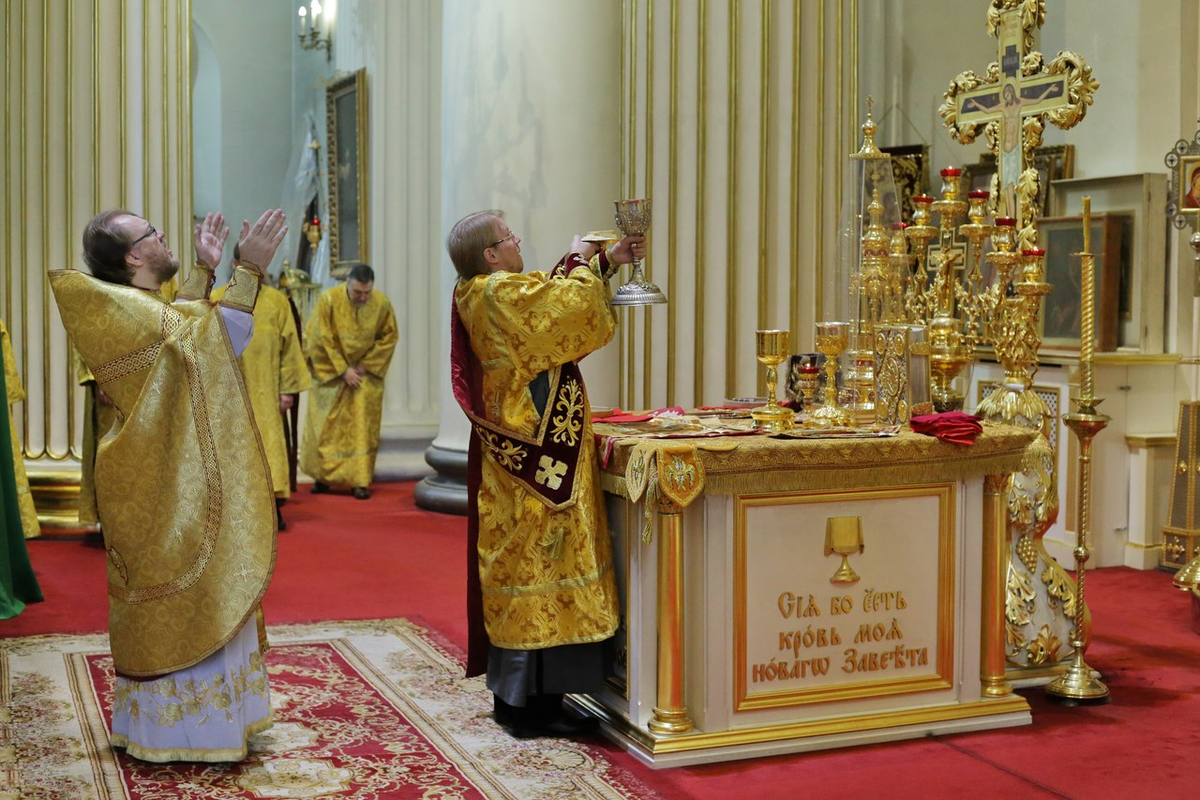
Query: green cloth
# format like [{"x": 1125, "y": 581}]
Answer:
[{"x": 18, "y": 585}]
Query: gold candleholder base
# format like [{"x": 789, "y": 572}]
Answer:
[
  {"x": 774, "y": 418},
  {"x": 1078, "y": 684}
]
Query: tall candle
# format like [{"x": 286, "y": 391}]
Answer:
[{"x": 1087, "y": 344}]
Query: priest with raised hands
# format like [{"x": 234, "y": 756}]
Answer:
[{"x": 182, "y": 484}]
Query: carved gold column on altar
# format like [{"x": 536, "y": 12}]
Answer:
[
  {"x": 96, "y": 109},
  {"x": 1010, "y": 104},
  {"x": 670, "y": 712},
  {"x": 995, "y": 567}
]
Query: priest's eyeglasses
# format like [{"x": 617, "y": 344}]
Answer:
[
  {"x": 146, "y": 235},
  {"x": 499, "y": 242}
]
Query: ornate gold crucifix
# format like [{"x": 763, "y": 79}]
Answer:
[{"x": 1012, "y": 101}]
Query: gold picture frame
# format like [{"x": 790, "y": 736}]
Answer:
[
  {"x": 1062, "y": 238},
  {"x": 1183, "y": 200},
  {"x": 346, "y": 149},
  {"x": 910, "y": 173}
]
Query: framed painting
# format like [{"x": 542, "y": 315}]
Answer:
[
  {"x": 910, "y": 172},
  {"x": 1062, "y": 311},
  {"x": 346, "y": 148},
  {"x": 1052, "y": 164},
  {"x": 979, "y": 175}
]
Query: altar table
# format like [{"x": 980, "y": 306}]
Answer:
[{"x": 785, "y": 595}]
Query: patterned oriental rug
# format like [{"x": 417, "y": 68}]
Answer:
[{"x": 373, "y": 709}]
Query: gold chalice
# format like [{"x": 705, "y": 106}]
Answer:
[
  {"x": 832, "y": 339},
  {"x": 633, "y": 218},
  {"x": 771, "y": 348}
]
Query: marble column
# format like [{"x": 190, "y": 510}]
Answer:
[{"x": 530, "y": 125}]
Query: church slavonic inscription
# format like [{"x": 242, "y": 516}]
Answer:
[
  {"x": 801, "y": 638},
  {"x": 815, "y": 649}
]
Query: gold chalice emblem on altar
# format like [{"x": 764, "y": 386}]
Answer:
[
  {"x": 771, "y": 348},
  {"x": 633, "y": 218},
  {"x": 843, "y": 536},
  {"x": 832, "y": 339}
]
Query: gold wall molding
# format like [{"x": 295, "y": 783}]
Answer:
[
  {"x": 99, "y": 93},
  {"x": 736, "y": 118}
]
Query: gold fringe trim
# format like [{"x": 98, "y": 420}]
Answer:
[
  {"x": 206, "y": 756},
  {"x": 772, "y": 465}
]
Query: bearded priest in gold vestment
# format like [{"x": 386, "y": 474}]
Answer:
[
  {"x": 274, "y": 369},
  {"x": 540, "y": 574},
  {"x": 182, "y": 485},
  {"x": 16, "y": 393},
  {"x": 349, "y": 344}
]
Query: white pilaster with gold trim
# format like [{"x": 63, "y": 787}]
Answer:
[{"x": 95, "y": 103}]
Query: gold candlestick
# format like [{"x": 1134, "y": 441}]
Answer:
[
  {"x": 771, "y": 348},
  {"x": 1087, "y": 341},
  {"x": 1077, "y": 683}
]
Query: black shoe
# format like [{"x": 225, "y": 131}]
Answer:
[
  {"x": 361, "y": 493},
  {"x": 280, "y": 524},
  {"x": 564, "y": 726},
  {"x": 320, "y": 488}
]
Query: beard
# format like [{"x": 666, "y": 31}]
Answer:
[{"x": 165, "y": 270}]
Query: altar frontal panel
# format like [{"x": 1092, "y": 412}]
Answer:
[{"x": 842, "y": 595}]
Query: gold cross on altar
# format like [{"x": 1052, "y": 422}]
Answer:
[{"x": 1015, "y": 98}]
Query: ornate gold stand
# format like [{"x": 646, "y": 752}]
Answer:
[{"x": 1078, "y": 682}]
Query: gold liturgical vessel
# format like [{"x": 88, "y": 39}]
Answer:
[
  {"x": 771, "y": 348},
  {"x": 832, "y": 339},
  {"x": 843, "y": 536},
  {"x": 633, "y": 218},
  {"x": 1078, "y": 683}
]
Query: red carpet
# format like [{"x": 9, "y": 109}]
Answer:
[{"x": 347, "y": 559}]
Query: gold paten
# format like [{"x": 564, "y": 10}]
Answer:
[
  {"x": 771, "y": 348},
  {"x": 844, "y": 536},
  {"x": 1078, "y": 683}
]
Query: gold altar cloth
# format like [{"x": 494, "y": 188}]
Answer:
[{"x": 764, "y": 464}]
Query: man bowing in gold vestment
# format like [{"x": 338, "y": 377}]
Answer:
[
  {"x": 351, "y": 337},
  {"x": 16, "y": 393},
  {"x": 274, "y": 369}
]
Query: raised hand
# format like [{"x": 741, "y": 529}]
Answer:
[
  {"x": 258, "y": 242},
  {"x": 209, "y": 239},
  {"x": 585, "y": 249}
]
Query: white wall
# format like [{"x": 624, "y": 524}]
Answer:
[{"x": 252, "y": 44}]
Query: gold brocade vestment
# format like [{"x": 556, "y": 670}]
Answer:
[
  {"x": 546, "y": 575},
  {"x": 181, "y": 479},
  {"x": 272, "y": 364},
  {"x": 341, "y": 428},
  {"x": 16, "y": 393}
]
